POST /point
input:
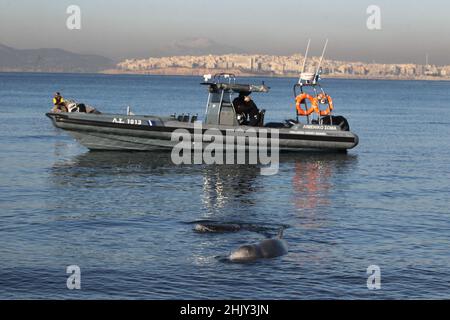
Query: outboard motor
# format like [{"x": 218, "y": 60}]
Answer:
[{"x": 337, "y": 121}]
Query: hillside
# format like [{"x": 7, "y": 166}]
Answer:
[{"x": 50, "y": 60}]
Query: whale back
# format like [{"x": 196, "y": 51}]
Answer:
[
  {"x": 272, "y": 248},
  {"x": 216, "y": 227},
  {"x": 269, "y": 248},
  {"x": 247, "y": 252}
]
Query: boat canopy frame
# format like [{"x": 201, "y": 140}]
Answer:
[
  {"x": 219, "y": 107},
  {"x": 311, "y": 79}
]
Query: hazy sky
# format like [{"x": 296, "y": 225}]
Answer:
[{"x": 137, "y": 28}]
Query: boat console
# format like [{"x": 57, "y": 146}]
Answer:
[{"x": 219, "y": 108}]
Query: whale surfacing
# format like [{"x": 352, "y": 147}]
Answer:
[{"x": 266, "y": 249}]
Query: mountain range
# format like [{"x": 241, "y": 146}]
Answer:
[{"x": 50, "y": 60}]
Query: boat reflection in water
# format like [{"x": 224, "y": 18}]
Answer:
[
  {"x": 311, "y": 183},
  {"x": 230, "y": 183},
  {"x": 152, "y": 182},
  {"x": 315, "y": 179}
]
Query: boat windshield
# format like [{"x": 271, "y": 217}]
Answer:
[{"x": 217, "y": 96}]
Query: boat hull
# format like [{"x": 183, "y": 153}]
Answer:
[{"x": 147, "y": 133}]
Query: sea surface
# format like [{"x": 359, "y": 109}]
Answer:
[{"x": 127, "y": 219}]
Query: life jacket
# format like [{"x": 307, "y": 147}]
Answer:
[{"x": 58, "y": 100}]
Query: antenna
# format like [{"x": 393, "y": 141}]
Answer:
[
  {"x": 321, "y": 58},
  {"x": 306, "y": 55}
]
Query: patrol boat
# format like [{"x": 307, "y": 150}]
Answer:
[{"x": 312, "y": 129}]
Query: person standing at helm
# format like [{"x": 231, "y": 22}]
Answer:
[
  {"x": 59, "y": 103},
  {"x": 245, "y": 105}
]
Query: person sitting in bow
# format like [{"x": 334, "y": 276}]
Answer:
[{"x": 59, "y": 105}]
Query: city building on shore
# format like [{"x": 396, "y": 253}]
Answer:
[{"x": 273, "y": 65}]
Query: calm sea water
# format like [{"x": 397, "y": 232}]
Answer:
[{"x": 126, "y": 218}]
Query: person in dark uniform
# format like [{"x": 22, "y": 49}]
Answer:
[{"x": 244, "y": 105}]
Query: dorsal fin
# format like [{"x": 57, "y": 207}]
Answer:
[{"x": 280, "y": 233}]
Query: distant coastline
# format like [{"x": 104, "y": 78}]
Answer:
[
  {"x": 170, "y": 73},
  {"x": 201, "y": 72}
]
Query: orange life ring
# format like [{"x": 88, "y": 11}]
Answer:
[
  {"x": 306, "y": 112},
  {"x": 321, "y": 97}
]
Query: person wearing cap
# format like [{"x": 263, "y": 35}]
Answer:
[{"x": 245, "y": 105}]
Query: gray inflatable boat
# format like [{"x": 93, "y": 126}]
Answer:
[{"x": 103, "y": 131}]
